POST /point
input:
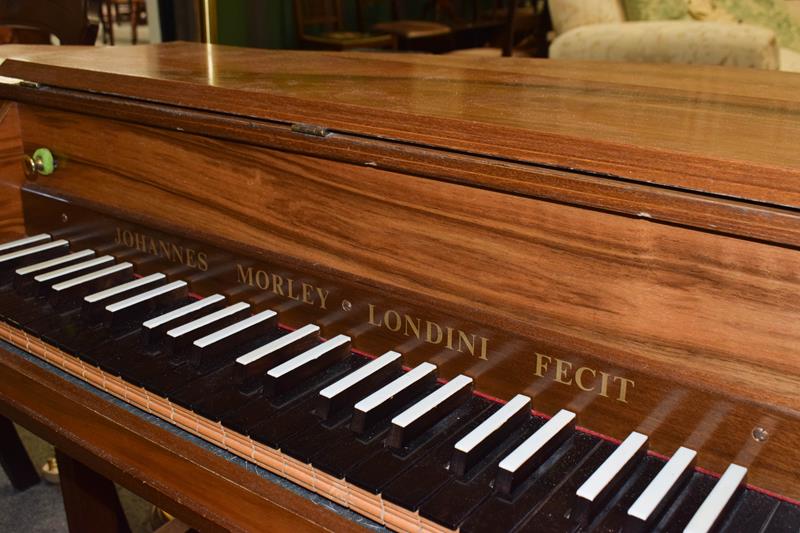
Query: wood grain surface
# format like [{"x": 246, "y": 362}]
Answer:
[
  {"x": 640, "y": 221},
  {"x": 12, "y": 175},
  {"x": 715, "y": 311},
  {"x": 732, "y": 131}
]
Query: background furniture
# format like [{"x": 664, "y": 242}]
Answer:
[
  {"x": 72, "y": 22},
  {"x": 600, "y": 30},
  {"x": 319, "y": 25},
  {"x": 134, "y": 11},
  {"x": 410, "y": 34},
  {"x": 524, "y": 34}
]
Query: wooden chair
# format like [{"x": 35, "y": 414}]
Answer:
[
  {"x": 531, "y": 23},
  {"x": 135, "y": 11},
  {"x": 73, "y": 22},
  {"x": 324, "y": 19},
  {"x": 424, "y": 35}
]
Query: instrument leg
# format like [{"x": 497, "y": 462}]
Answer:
[
  {"x": 90, "y": 500},
  {"x": 14, "y": 459}
]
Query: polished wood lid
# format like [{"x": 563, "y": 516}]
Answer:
[{"x": 712, "y": 130}]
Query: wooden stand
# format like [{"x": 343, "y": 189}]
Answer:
[
  {"x": 90, "y": 500},
  {"x": 14, "y": 459}
]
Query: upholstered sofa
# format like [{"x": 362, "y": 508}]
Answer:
[{"x": 675, "y": 31}]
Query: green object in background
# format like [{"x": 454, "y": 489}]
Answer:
[
  {"x": 772, "y": 14},
  {"x": 45, "y": 164},
  {"x": 656, "y": 9}
]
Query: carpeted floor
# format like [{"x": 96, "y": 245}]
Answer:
[{"x": 39, "y": 509}]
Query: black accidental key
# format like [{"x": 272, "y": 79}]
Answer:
[
  {"x": 461, "y": 494},
  {"x": 474, "y": 447},
  {"x": 408, "y": 492},
  {"x": 23, "y": 277},
  {"x": 196, "y": 394},
  {"x": 24, "y": 242},
  {"x": 155, "y": 329},
  {"x": 785, "y": 519},
  {"x": 379, "y": 470},
  {"x": 334, "y": 402},
  {"x": 501, "y": 514},
  {"x": 252, "y": 365},
  {"x": 94, "y": 304},
  {"x": 750, "y": 513},
  {"x": 214, "y": 349},
  {"x": 615, "y": 516},
  {"x": 28, "y": 255},
  {"x": 557, "y": 513},
  {"x": 393, "y": 397},
  {"x": 178, "y": 340},
  {"x": 677, "y": 517},
  {"x": 592, "y": 496},
  {"x": 517, "y": 466},
  {"x": 297, "y": 415},
  {"x": 428, "y": 411},
  {"x": 288, "y": 375},
  {"x": 68, "y": 294},
  {"x": 131, "y": 312},
  {"x": 43, "y": 282}
]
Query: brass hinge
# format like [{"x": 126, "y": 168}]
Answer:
[{"x": 310, "y": 129}]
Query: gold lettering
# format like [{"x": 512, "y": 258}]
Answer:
[
  {"x": 372, "y": 316},
  {"x": 191, "y": 258},
  {"x": 541, "y": 366},
  {"x": 415, "y": 324},
  {"x": 244, "y": 277},
  {"x": 127, "y": 239},
  {"x": 152, "y": 248},
  {"x": 484, "y": 349},
  {"x": 277, "y": 284},
  {"x": 603, "y": 384},
  {"x": 164, "y": 249},
  {"x": 177, "y": 253},
  {"x": 579, "y": 378},
  {"x": 141, "y": 242},
  {"x": 623, "y": 388},
  {"x": 389, "y": 317},
  {"x": 118, "y": 236},
  {"x": 202, "y": 261},
  {"x": 323, "y": 297},
  {"x": 429, "y": 332},
  {"x": 290, "y": 289},
  {"x": 463, "y": 340},
  {"x": 449, "y": 343},
  {"x": 262, "y": 280},
  {"x": 562, "y": 367},
  {"x": 307, "y": 293}
]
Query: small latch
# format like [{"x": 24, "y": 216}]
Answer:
[
  {"x": 29, "y": 84},
  {"x": 310, "y": 129}
]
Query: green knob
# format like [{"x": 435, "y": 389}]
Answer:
[{"x": 45, "y": 164}]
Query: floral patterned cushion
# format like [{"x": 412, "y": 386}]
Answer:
[
  {"x": 687, "y": 42},
  {"x": 569, "y": 14},
  {"x": 772, "y": 14},
  {"x": 656, "y": 9}
]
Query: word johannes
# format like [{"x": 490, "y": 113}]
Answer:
[
  {"x": 585, "y": 378},
  {"x": 161, "y": 248},
  {"x": 287, "y": 287},
  {"x": 430, "y": 332}
]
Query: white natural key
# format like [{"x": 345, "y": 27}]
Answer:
[
  {"x": 661, "y": 489},
  {"x": 713, "y": 507}
]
